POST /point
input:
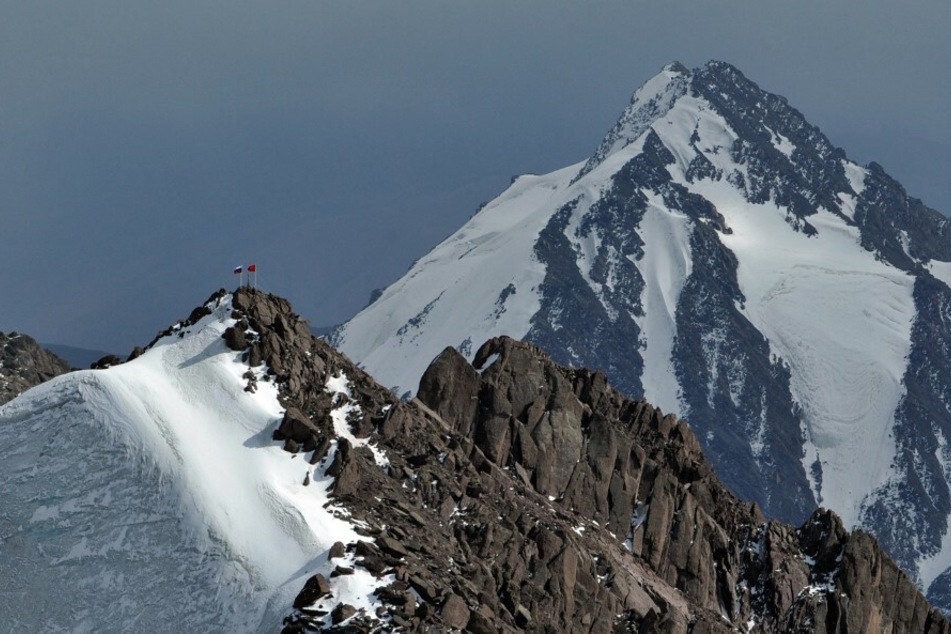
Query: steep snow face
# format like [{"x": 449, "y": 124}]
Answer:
[
  {"x": 150, "y": 495},
  {"x": 665, "y": 267},
  {"x": 653, "y": 100},
  {"x": 837, "y": 316},
  {"x": 481, "y": 281},
  {"x": 842, "y": 321}
]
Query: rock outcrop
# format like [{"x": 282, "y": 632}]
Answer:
[
  {"x": 515, "y": 494},
  {"x": 23, "y": 364}
]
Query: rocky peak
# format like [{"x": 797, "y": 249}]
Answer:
[
  {"x": 620, "y": 465},
  {"x": 654, "y": 99},
  {"x": 23, "y": 364},
  {"x": 520, "y": 495},
  {"x": 269, "y": 332}
]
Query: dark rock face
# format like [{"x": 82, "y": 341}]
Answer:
[
  {"x": 24, "y": 364},
  {"x": 726, "y": 405},
  {"x": 106, "y": 362},
  {"x": 521, "y": 495},
  {"x": 921, "y": 495},
  {"x": 644, "y": 476}
]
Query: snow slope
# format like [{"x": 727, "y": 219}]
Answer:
[
  {"x": 839, "y": 317},
  {"x": 419, "y": 316},
  {"x": 150, "y": 496},
  {"x": 810, "y": 297}
]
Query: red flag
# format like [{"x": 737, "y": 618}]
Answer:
[
  {"x": 237, "y": 270},
  {"x": 252, "y": 268}
]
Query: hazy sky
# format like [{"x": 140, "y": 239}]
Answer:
[{"x": 148, "y": 148}]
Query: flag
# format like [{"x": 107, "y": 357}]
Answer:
[
  {"x": 252, "y": 268},
  {"x": 238, "y": 270}
]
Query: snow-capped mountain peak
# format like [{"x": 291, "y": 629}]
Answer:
[
  {"x": 719, "y": 256},
  {"x": 652, "y": 100}
]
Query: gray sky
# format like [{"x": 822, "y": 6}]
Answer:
[{"x": 148, "y": 148}]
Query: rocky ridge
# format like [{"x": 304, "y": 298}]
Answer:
[
  {"x": 520, "y": 495},
  {"x": 23, "y": 364}
]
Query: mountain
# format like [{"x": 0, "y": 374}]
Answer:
[
  {"x": 240, "y": 475},
  {"x": 24, "y": 364},
  {"x": 78, "y": 357},
  {"x": 718, "y": 256}
]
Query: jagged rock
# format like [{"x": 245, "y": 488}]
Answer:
[
  {"x": 291, "y": 446},
  {"x": 298, "y": 427},
  {"x": 479, "y": 623},
  {"x": 235, "y": 338},
  {"x": 342, "y": 612},
  {"x": 315, "y": 588},
  {"x": 24, "y": 364},
  {"x": 337, "y": 551},
  {"x": 454, "y": 612},
  {"x": 391, "y": 546},
  {"x": 106, "y": 362}
]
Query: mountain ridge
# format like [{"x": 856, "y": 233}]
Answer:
[
  {"x": 24, "y": 363},
  {"x": 720, "y": 256},
  {"x": 549, "y": 502}
]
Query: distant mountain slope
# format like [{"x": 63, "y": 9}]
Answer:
[
  {"x": 24, "y": 364},
  {"x": 78, "y": 357},
  {"x": 720, "y": 257}
]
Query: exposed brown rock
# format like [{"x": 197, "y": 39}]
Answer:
[
  {"x": 534, "y": 497},
  {"x": 454, "y": 612},
  {"x": 24, "y": 364},
  {"x": 342, "y": 612},
  {"x": 315, "y": 588}
]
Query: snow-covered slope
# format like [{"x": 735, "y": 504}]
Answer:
[
  {"x": 718, "y": 256},
  {"x": 151, "y": 497}
]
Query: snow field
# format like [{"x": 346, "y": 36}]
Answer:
[
  {"x": 665, "y": 267},
  {"x": 807, "y": 296},
  {"x": 177, "y": 451}
]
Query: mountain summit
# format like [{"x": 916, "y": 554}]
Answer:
[{"x": 718, "y": 256}]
